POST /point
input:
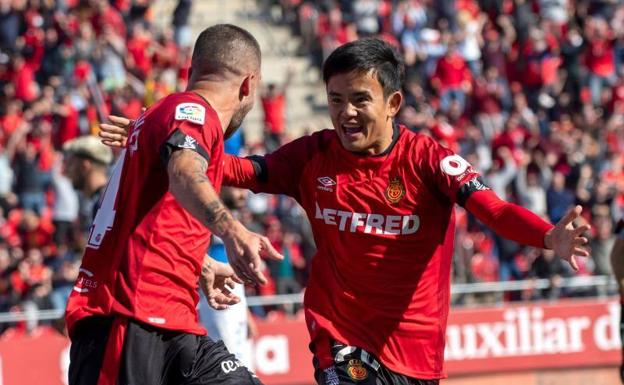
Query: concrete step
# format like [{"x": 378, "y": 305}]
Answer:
[{"x": 306, "y": 102}]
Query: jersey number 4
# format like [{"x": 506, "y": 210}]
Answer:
[{"x": 105, "y": 216}]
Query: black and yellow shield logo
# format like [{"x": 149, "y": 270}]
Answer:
[
  {"x": 395, "y": 190},
  {"x": 356, "y": 370}
]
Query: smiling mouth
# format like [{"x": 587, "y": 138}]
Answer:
[{"x": 351, "y": 129}]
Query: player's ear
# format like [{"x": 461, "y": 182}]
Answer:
[
  {"x": 245, "y": 87},
  {"x": 394, "y": 103}
]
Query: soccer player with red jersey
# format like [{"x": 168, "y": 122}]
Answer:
[
  {"x": 132, "y": 314},
  {"x": 380, "y": 200}
]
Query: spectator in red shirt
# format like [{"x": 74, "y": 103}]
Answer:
[
  {"x": 24, "y": 79},
  {"x": 68, "y": 128},
  {"x": 139, "y": 48},
  {"x": 600, "y": 58},
  {"x": 273, "y": 104},
  {"x": 107, "y": 16},
  {"x": 11, "y": 120},
  {"x": 451, "y": 79}
]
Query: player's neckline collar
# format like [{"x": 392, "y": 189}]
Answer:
[
  {"x": 396, "y": 133},
  {"x": 202, "y": 97}
]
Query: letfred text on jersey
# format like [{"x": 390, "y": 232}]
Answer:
[{"x": 368, "y": 223}]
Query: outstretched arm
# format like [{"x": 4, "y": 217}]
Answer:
[
  {"x": 250, "y": 173},
  {"x": 240, "y": 172},
  {"x": 521, "y": 225}
]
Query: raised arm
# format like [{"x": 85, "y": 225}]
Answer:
[{"x": 250, "y": 173}]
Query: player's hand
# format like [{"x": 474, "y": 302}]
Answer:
[
  {"x": 245, "y": 251},
  {"x": 216, "y": 281},
  {"x": 567, "y": 241},
  {"x": 115, "y": 133}
]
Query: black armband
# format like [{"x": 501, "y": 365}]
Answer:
[
  {"x": 466, "y": 190},
  {"x": 260, "y": 167},
  {"x": 178, "y": 140}
]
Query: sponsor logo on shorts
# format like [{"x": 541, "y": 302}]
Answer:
[
  {"x": 395, "y": 191},
  {"x": 331, "y": 377},
  {"x": 356, "y": 370},
  {"x": 229, "y": 366}
]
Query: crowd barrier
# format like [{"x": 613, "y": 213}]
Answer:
[{"x": 569, "y": 333}]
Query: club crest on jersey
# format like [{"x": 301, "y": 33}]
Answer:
[
  {"x": 192, "y": 112},
  {"x": 395, "y": 190},
  {"x": 356, "y": 370}
]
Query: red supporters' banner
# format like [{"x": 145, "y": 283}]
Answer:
[{"x": 529, "y": 336}]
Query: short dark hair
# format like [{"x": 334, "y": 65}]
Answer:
[
  {"x": 364, "y": 55},
  {"x": 225, "y": 47}
]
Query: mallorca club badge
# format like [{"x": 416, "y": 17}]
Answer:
[
  {"x": 395, "y": 190},
  {"x": 356, "y": 370}
]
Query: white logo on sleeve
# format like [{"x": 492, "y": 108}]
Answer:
[
  {"x": 189, "y": 142},
  {"x": 454, "y": 165},
  {"x": 192, "y": 112}
]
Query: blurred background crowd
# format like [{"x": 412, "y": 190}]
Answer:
[{"x": 531, "y": 92}]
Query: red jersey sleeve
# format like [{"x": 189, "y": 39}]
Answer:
[
  {"x": 448, "y": 172},
  {"x": 191, "y": 127},
  {"x": 508, "y": 220},
  {"x": 278, "y": 172},
  {"x": 240, "y": 172}
]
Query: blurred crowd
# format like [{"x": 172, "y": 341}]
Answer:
[
  {"x": 64, "y": 67},
  {"x": 530, "y": 92}
]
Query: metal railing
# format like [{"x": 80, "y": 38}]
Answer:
[{"x": 604, "y": 285}]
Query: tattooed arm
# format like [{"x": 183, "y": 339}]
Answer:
[{"x": 191, "y": 187}]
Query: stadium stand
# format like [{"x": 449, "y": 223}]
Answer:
[{"x": 530, "y": 92}]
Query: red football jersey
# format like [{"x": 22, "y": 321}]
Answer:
[
  {"x": 384, "y": 229},
  {"x": 145, "y": 251}
]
